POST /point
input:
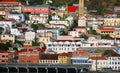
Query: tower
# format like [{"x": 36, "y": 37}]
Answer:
[
  {"x": 81, "y": 21},
  {"x": 81, "y": 8}
]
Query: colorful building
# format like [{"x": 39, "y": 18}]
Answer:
[
  {"x": 28, "y": 57},
  {"x": 98, "y": 62},
  {"x": 48, "y": 58},
  {"x": 4, "y": 56},
  {"x": 64, "y": 58}
]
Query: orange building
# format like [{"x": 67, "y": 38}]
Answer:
[
  {"x": 28, "y": 57},
  {"x": 4, "y": 56},
  {"x": 81, "y": 53}
]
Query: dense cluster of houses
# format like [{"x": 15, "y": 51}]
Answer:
[{"x": 55, "y": 47}]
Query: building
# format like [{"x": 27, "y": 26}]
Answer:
[
  {"x": 99, "y": 42},
  {"x": 65, "y": 22},
  {"x": 29, "y": 36},
  {"x": 117, "y": 9},
  {"x": 57, "y": 26},
  {"x": 60, "y": 46},
  {"x": 44, "y": 39},
  {"x": 98, "y": 62},
  {"x": 81, "y": 58},
  {"x": 81, "y": 29},
  {"x": 113, "y": 59},
  {"x": 39, "y": 9},
  {"x": 7, "y": 37},
  {"x": 56, "y": 33},
  {"x": 105, "y": 30},
  {"x": 82, "y": 22},
  {"x": 73, "y": 11},
  {"x": 33, "y": 18},
  {"x": 15, "y": 31},
  {"x": 74, "y": 33},
  {"x": 3, "y": 12},
  {"x": 11, "y": 5},
  {"x": 116, "y": 33},
  {"x": 28, "y": 57},
  {"x": 4, "y": 56},
  {"x": 64, "y": 58},
  {"x": 111, "y": 22},
  {"x": 48, "y": 58},
  {"x": 27, "y": 43},
  {"x": 8, "y": 23},
  {"x": 17, "y": 17}
]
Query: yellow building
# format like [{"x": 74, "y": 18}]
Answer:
[
  {"x": 47, "y": 34},
  {"x": 98, "y": 63},
  {"x": 44, "y": 39},
  {"x": 111, "y": 22},
  {"x": 8, "y": 37},
  {"x": 64, "y": 59}
]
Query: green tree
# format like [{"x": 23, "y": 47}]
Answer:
[
  {"x": 34, "y": 26},
  {"x": 105, "y": 36},
  {"x": 84, "y": 36}
]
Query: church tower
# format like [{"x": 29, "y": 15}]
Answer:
[
  {"x": 82, "y": 20},
  {"x": 81, "y": 8}
]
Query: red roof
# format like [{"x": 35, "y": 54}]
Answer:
[
  {"x": 3, "y": 51},
  {"x": 106, "y": 29},
  {"x": 98, "y": 58},
  {"x": 72, "y": 8},
  {"x": 64, "y": 54}
]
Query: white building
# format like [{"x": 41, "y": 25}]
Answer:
[
  {"x": 98, "y": 63},
  {"x": 63, "y": 46},
  {"x": 58, "y": 26},
  {"x": 29, "y": 36},
  {"x": 113, "y": 59},
  {"x": 74, "y": 33},
  {"x": 17, "y": 17},
  {"x": 7, "y": 23},
  {"x": 81, "y": 22},
  {"x": 15, "y": 31},
  {"x": 92, "y": 42},
  {"x": 38, "y": 18},
  {"x": 65, "y": 22},
  {"x": 56, "y": 32}
]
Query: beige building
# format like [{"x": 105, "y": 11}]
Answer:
[
  {"x": 116, "y": 33},
  {"x": 7, "y": 37},
  {"x": 98, "y": 63},
  {"x": 44, "y": 39},
  {"x": 111, "y": 22},
  {"x": 105, "y": 30},
  {"x": 28, "y": 43},
  {"x": 3, "y": 12},
  {"x": 48, "y": 34}
]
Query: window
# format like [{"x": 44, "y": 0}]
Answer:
[
  {"x": 28, "y": 61},
  {"x": 3, "y": 56},
  {"x": 3, "y": 60}
]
